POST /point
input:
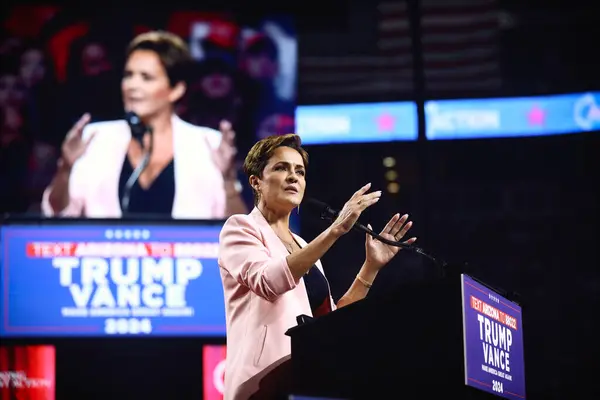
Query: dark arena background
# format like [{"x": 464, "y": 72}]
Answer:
[{"x": 479, "y": 118}]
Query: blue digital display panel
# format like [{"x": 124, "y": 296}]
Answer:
[
  {"x": 110, "y": 280},
  {"x": 512, "y": 117},
  {"x": 357, "y": 123}
]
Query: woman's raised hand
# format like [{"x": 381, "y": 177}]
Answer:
[
  {"x": 74, "y": 146},
  {"x": 349, "y": 214}
]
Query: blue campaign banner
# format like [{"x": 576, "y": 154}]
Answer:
[
  {"x": 512, "y": 117},
  {"x": 493, "y": 341},
  {"x": 110, "y": 279},
  {"x": 357, "y": 123}
]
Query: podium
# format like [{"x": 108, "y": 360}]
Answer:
[{"x": 406, "y": 345}]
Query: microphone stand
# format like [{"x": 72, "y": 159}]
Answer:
[
  {"x": 135, "y": 175},
  {"x": 446, "y": 270},
  {"x": 328, "y": 214}
]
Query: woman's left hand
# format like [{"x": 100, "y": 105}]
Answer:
[
  {"x": 224, "y": 155},
  {"x": 378, "y": 253}
]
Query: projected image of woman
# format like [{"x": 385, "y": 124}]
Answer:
[{"x": 189, "y": 172}]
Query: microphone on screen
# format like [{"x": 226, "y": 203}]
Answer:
[
  {"x": 137, "y": 127},
  {"x": 138, "y": 130}
]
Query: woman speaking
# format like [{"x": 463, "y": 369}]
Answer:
[
  {"x": 271, "y": 275},
  {"x": 189, "y": 172}
]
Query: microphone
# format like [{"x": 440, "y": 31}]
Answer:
[
  {"x": 138, "y": 130},
  {"x": 330, "y": 214},
  {"x": 137, "y": 127}
]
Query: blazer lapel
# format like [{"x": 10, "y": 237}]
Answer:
[
  {"x": 117, "y": 151},
  {"x": 320, "y": 267},
  {"x": 183, "y": 170},
  {"x": 272, "y": 241},
  {"x": 275, "y": 245}
]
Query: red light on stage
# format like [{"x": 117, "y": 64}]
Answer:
[
  {"x": 27, "y": 372},
  {"x": 214, "y": 371}
]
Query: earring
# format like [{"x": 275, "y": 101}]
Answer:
[{"x": 298, "y": 208}]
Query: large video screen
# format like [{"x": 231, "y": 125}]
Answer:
[
  {"x": 357, "y": 123},
  {"x": 62, "y": 62},
  {"x": 512, "y": 117},
  {"x": 93, "y": 280}
]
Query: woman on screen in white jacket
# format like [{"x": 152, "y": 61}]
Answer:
[{"x": 190, "y": 174}]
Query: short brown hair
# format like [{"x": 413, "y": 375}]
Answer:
[
  {"x": 172, "y": 51},
  {"x": 259, "y": 155}
]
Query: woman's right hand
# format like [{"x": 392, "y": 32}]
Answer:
[
  {"x": 349, "y": 214},
  {"x": 74, "y": 146}
]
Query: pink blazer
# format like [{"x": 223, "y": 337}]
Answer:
[
  {"x": 262, "y": 300},
  {"x": 94, "y": 179}
]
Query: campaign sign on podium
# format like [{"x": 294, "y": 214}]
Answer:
[{"x": 493, "y": 341}]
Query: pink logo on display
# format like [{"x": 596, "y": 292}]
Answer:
[
  {"x": 536, "y": 116},
  {"x": 386, "y": 123}
]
